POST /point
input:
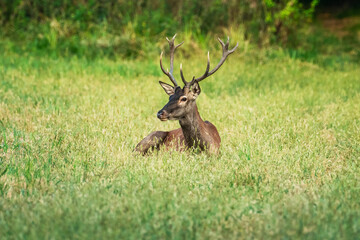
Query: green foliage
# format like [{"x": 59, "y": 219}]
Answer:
[
  {"x": 285, "y": 17},
  {"x": 288, "y": 168},
  {"x": 109, "y": 28}
]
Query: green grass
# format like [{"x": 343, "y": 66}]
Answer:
[{"x": 288, "y": 168}]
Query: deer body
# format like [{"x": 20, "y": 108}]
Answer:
[{"x": 194, "y": 132}]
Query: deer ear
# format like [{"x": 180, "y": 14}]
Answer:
[
  {"x": 196, "y": 90},
  {"x": 170, "y": 90}
]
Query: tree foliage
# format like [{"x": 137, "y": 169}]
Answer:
[{"x": 263, "y": 21}]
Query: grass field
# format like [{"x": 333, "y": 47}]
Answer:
[{"x": 288, "y": 168}]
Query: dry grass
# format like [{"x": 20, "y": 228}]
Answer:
[{"x": 288, "y": 168}]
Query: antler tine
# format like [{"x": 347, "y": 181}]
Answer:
[
  {"x": 167, "y": 73},
  {"x": 226, "y": 52},
  {"x": 205, "y": 75},
  {"x": 182, "y": 76},
  {"x": 173, "y": 47}
]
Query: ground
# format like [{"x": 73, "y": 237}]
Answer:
[{"x": 288, "y": 168}]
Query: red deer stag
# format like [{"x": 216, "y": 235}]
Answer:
[{"x": 194, "y": 132}]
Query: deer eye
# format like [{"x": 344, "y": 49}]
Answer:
[{"x": 183, "y": 99}]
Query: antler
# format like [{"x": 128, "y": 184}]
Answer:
[
  {"x": 225, "y": 54},
  {"x": 173, "y": 47}
]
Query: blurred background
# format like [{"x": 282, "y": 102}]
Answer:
[{"x": 306, "y": 29}]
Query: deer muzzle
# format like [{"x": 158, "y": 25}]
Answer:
[{"x": 162, "y": 115}]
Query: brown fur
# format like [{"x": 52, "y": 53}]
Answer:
[{"x": 175, "y": 140}]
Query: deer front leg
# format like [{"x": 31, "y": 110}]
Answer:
[{"x": 151, "y": 142}]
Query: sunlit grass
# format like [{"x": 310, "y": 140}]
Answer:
[{"x": 289, "y": 162}]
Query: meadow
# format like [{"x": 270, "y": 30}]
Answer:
[{"x": 288, "y": 167}]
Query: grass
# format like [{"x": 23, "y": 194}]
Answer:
[{"x": 288, "y": 168}]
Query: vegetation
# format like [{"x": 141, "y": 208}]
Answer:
[
  {"x": 289, "y": 162},
  {"x": 127, "y": 28},
  {"x": 79, "y": 89}
]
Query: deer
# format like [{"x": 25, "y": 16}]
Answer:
[{"x": 194, "y": 133}]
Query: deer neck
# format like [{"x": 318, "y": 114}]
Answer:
[{"x": 192, "y": 126}]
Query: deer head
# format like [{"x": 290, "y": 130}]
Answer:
[{"x": 182, "y": 100}]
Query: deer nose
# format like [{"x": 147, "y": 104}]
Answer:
[{"x": 161, "y": 114}]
